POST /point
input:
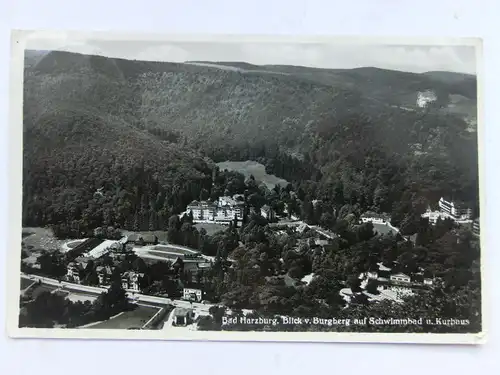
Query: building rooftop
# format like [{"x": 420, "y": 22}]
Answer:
[
  {"x": 147, "y": 237},
  {"x": 400, "y": 274},
  {"x": 102, "y": 248},
  {"x": 105, "y": 269},
  {"x": 181, "y": 311}
]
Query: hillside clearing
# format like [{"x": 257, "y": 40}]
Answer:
[{"x": 250, "y": 167}]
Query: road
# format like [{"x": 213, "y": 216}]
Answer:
[{"x": 133, "y": 296}]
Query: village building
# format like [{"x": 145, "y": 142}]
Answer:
[
  {"x": 104, "y": 275},
  {"x": 182, "y": 316},
  {"x": 320, "y": 242},
  {"x": 476, "y": 229},
  {"x": 400, "y": 277},
  {"x": 196, "y": 272},
  {"x": 142, "y": 239},
  {"x": 190, "y": 294},
  {"x": 434, "y": 216},
  {"x": 449, "y": 210},
  {"x": 130, "y": 280},
  {"x": 105, "y": 247},
  {"x": 267, "y": 212},
  {"x": 372, "y": 217},
  {"x": 75, "y": 271},
  {"x": 428, "y": 281}
]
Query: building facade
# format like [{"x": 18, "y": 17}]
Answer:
[
  {"x": 182, "y": 317},
  {"x": 456, "y": 211},
  {"x": 401, "y": 277},
  {"x": 372, "y": 217},
  {"x": 130, "y": 281},
  {"x": 223, "y": 211},
  {"x": 267, "y": 212},
  {"x": 104, "y": 275},
  {"x": 434, "y": 216},
  {"x": 190, "y": 294},
  {"x": 476, "y": 229}
]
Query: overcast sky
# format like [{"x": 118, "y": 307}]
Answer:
[{"x": 412, "y": 58}]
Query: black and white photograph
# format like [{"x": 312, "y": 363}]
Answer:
[{"x": 246, "y": 188}]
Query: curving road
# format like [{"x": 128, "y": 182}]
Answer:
[{"x": 133, "y": 296}]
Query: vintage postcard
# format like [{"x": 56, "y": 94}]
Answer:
[{"x": 245, "y": 188}]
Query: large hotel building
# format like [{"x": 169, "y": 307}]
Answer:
[
  {"x": 222, "y": 211},
  {"x": 455, "y": 211}
]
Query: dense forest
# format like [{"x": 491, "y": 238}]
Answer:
[
  {"x": 146, "y": 134},
  {"x": 443, "y": 251}
]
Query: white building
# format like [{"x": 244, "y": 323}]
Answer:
[
  {"x": 449, "y": 210},
  {"x": 400, "y": 277},
  {"x": 458, "y": 212},
  {"x": 104, "y": 274},
  {"x": 223, "y": 211},
  {"x": 192, "y": 294},
  {"x": 75, "y": 270},
  {"x": 105, "y": 247},
  {"x": 202, "y": 211},
  {"x": 130, "y": 280},
  {"x": 476, "y": 229},
  {"x": 434, "y": 216},
  {"x": 372, "y": 217}
]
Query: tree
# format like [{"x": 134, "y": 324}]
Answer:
[
  {"x": 371, "y": 286},
  {"x": 354, "y": 283}
]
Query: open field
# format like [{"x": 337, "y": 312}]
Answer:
[
  {"x": 210, "y": 228},
  {"x": 130, "y": 319},
  {"x": 41, "y": 239},
  {"x": 251, "y": 167}
]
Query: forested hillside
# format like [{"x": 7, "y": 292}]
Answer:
[
  {"x": 85, "y": 165},
  {"x": 350, "y": 137}
]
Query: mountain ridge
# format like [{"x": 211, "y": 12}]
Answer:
[{"x": 314, "y": 126}]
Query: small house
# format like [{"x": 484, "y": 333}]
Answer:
[
  {"x": 372, "y": 217},
  {"x": 74, "y": 272},
  {"x": 267, "y": 212},
  {"x": 182, "y": 316},
  {"x": 142, "y": 239},
  {"x": 400, "y": 277},
  {"x": 190, "y": 294},
  {"x": 130, "y": 280},
  {"x": 104, "y": 274}
]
